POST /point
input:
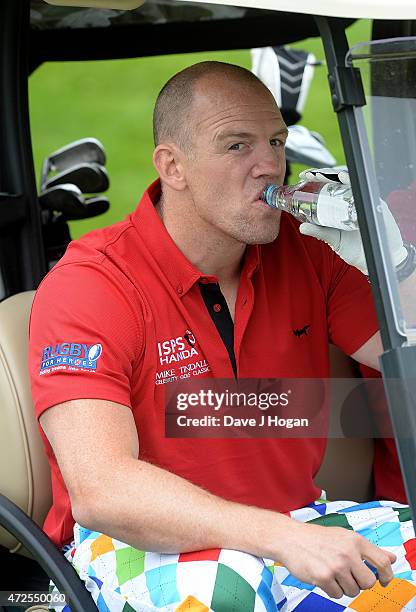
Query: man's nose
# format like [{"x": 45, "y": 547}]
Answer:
[{"x": 269, "y": 161}]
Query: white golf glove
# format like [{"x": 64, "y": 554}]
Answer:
[{"x": 348, "y": 244}]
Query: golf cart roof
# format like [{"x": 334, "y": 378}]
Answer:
[
  {"x": 362, "y": 9},
  {"x": 160, "y": 27}
]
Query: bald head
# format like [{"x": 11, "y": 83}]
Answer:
[{"x": 175, "y": 115}]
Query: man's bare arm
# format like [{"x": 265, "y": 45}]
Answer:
[
  {"x": 134, "y": 501},
  {"x": 111, "y": 491},
  {"x": 369, "y": 353}
]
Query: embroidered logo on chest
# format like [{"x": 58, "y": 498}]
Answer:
[
  {"x": 174, "y": 353},
  {"x": 177, "y": 349},
  {"x": 303, "y": 331}
]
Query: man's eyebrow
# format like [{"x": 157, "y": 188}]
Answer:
[
  {"x": 283, "y": 131},
  {"x": 232, "y": 134}
]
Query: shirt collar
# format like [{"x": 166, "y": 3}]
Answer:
[{"x": 179, "y": 271}]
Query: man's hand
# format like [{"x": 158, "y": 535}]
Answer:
[
  {"x": 333, "y": 559},
  {"x": 348, "y": 244}
]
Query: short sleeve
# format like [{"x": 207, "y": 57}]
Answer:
[
  {"x": 85, "y": 336},
  {"x": 352, "y": 318}
]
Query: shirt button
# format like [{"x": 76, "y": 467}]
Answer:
[
  {"x": 217, "y": 307},
  {"x": 204, "y": 281},
  {"x": 179, "y": 289},
  {"x": 244, "y": 301}
]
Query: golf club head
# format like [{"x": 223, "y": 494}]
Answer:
[
  {"x": 308, "y": 148},
  {"x": 288, "y": 74},
  {"x": 89, "y": 177},
  {"x": 92, "y": 208},
  {"x": 65, "y": 198},
  {"x": 85, "y": 150}
]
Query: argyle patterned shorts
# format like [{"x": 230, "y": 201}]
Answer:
[{"x": 124, "y": 579}]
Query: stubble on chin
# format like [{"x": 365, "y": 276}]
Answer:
[
  {"x": 263, "y": 238},
  {"x": 265, "y": 232},
  {"x": 258, "y": 235}
]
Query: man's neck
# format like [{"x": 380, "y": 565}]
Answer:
[{"x": 214, "y": 253}]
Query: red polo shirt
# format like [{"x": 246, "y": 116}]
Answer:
[{"x": 109, "y": 316}]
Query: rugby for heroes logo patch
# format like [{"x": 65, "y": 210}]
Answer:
[{"x": 70, "y": 356}]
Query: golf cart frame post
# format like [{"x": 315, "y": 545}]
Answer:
[
  {"x": 398, "y": 361},
  {"x": 47, "y": 555},
  {"x": 21, "y": 244}
]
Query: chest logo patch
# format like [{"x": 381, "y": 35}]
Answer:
[
  {"x": 177, "y": 349},
  {"x": 301, "y": 332},
  {"x": 175, "y": 355}
]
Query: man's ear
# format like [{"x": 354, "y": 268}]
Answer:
[{"x": 168, "y": 161}]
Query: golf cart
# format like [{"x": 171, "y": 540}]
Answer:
[{"x": 376, "y": 76}]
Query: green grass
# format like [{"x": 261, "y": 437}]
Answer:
[{"x": 113, "y": 101}]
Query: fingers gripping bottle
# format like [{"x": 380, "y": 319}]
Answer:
[{"x": 328, "y": 204}]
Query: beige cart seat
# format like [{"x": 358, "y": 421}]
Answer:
[{"x": 24, "y": 469}]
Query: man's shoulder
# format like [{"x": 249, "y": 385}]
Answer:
[
  {"x": 95, "y": 264},
  {"x": 98, "y": 244}
]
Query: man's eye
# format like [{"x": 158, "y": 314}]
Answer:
[
  {"x": 236, "y": 147},
  {"x": 275, "y": 142}
]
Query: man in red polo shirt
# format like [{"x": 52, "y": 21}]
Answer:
[{"x": 205, "y": 278}]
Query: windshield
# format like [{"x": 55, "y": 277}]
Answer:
[{"x": 388, "y": 71}]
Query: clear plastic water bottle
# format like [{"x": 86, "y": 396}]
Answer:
[{"x": 328, "y": 204}]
